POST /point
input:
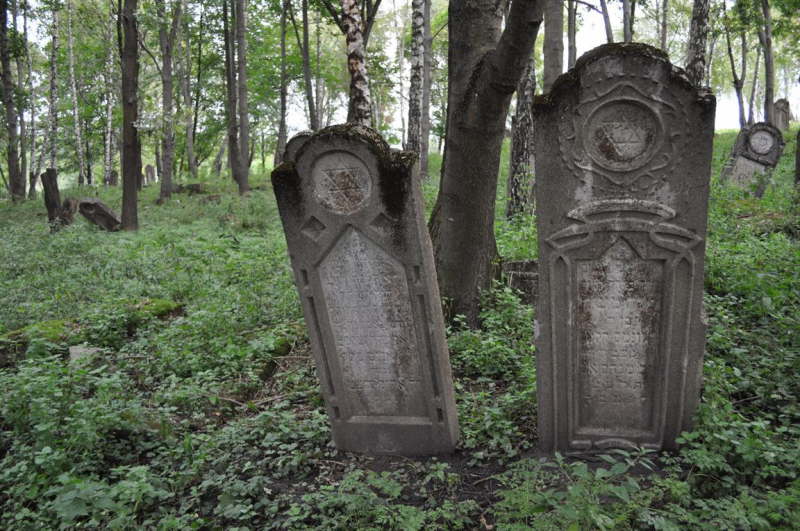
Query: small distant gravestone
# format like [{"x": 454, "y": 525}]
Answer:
[
  {"x": 113, "y": 178},
  {"x": 150, "y": 175},
  {"x": 524, "y": 277},
  {"x": 99, "y": 214},
  {"x": 783, "y": 114},
  {"x": 363, "y": 263},
  {"x": 624, "y": 146},
  {"x": 755, "y": 153}
]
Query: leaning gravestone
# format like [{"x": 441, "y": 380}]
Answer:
[
  {"x": 624, "y": 145},
  {"x": 363, "y": 263},
  {"x": 294, "y": 144},
  {"x": 783, "y": 114},
  {"x": 755, "y": 153}
]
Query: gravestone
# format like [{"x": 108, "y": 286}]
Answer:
[
  {"x": 624, "y": 146},
  {"x": 524, "y": 277},
  {"x": 783, "y": 114},
  {"x": 113, "y": 178},
  {"x": 294, "y": 144},
  {"x": 755, "y": 153},
  {"x": 150, "y": 175},
  {"x": 99, "y": 214},
  {"x": 352, "y": 211}
]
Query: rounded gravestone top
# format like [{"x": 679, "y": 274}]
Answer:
[
  {"x": 622, "y": 135},
  {"x": 762, "y": 142},
  {"x": 342, "y": 182}
]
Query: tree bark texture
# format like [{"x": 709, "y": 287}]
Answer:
[
  {"x": 698, "y": 37},
  {"x": 305, "y": 53},
  {"x": 572, "y": 29},
  {"x": 627, "y": 21},
  {"x": 606, "y": 21},
  {"x": 415, "y": 87},
  {"x": 360, "y": 105},
  {"x": 167, "y": 34},
  {"x": 241, "y": 85},
  {"x": 23, "y": 143},
  {"x": 131, "y": 144},
  {"x": 765, "y": 36},
  {"x": 34, "y": 168},
  {"x": 16, "y": 179},
  {"x": 108, "y": 137},
  {"x": 553, "y": 42},
  {"x": 427, "y": 82},
  {"x": 73, "y": 82},
  {"x": 186, "y": 94},
  {"x": 234, "y": 151},
  {"x": 484, "y": 70},
  {"x": 797, "y": 160},
  {"x": 52, "y": 139},
  {"x": 664, "y": 14},
  {"x": 520, "y": 174},
  {"x": 738, "y": 82},
  {"x": 751, "y": 112},
  {"x": 280, "y": 146},
  {"x": 52, "y": 197}
]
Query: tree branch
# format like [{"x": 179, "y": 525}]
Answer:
[
  {"x": 153, "y": 57},
  {"x": 331, "y": 9},
  {"x": 513, "y": 50}
]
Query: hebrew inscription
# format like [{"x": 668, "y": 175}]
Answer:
[
  {"x": 342, "y": 183},
  {"x": 619, "y": 312},
  {"x": 367, "y": 297}
]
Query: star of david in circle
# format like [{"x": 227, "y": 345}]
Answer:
[{"x": 342, "y": 183}]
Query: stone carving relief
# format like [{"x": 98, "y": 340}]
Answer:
[{"x": 342, "y": 183}]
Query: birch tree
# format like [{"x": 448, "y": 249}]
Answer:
[
  {"x": 73, "y": 83},
  {"x": 417, "y": 66},
  {"x": 698, "y": 36},
  {"x": 16, "y": 180}
]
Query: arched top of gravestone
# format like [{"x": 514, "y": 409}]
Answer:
[
  {"x": 623, "y": 119},
  {"x": 763, "y": 143},
  {"x": 294, "y": 144}
]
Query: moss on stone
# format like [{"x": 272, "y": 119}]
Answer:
[
  {"x": 13, "y": 344},
  {"x": 150, "y": 309}
]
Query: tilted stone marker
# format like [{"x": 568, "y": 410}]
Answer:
[
  {"x": 150, "y": 175},
  {"x": 624, "y": 145},
  {"x": 353, "y": 215},
  {"x": 755, "y": 153},
  {"x": 783, "y": 114}
]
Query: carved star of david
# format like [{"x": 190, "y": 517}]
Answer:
[{"x": 342, "y": 185}]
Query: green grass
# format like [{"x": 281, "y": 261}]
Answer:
[{"x": 200, "y": 407}]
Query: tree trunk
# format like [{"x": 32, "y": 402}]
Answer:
[
  {"x": 765, "y": 36},
  {"x": 217, "y": 165},
  {"x": 108, "y": 137},
  {"x": 74, "y": 93},
  {"x": 607, "y": 21},
  {"x": 484, "y": 70},
  {"x": 427, "y": 81},
  {"x": 23, "y": 143},
  {"x": 131, "y": 145},
  {"x": 696, "y": 49},
  {"x": 572, "y": 16},
  {"x": 234, "y": 151},
  {"x": 520, "y": 173},
  {"x": 627, "y": 22},
  {"x": 738, "y": 82},
  {"x": 712, "y": 43},
  {"x": 34, "y": 168},
  {"x": 167, "y": 33},
  {"x": 797, "y": 161},
  {"x": 52, "y": 103},
  {"x": 360, "y": 104},
  {"x": 305, "y": 52},
  {"x": 16, "y": 183},
  {"x": 186, "y": 94},
  {"x": 415, "y": 86},
  {"x": 52, "y": 197},
  {"x": 553, "y": 42},
  {"x": 243, "y": 105},
  {"x": 664, "y": 13},
  {"x": 282, "y": 133},
  {"x": 751, "y": 119}
]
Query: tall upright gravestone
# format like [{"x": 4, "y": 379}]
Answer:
[
  {"x": 624, "y": 146},
  {"x": 757, "y": 150},
  {"x": 352, "y": 212}
]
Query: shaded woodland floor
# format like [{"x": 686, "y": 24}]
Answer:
[{"x": 201, "y": 410}]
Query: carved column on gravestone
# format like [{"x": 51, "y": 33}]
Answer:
[
  {"x": 352, "y": 212},
  {"x": 624, "y": 146}
]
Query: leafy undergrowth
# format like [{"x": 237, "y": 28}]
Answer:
[{"x": 197, "y": 405}]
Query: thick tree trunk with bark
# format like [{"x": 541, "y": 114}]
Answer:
[
  {"x": 520, "y": 174},
  {"x": 16, "y": 178},
  {"x": 427, "y": 81},
  {"x": 765, "y": 36},
  {"x": 360, "y": 106},
  {"x": 73, "y": 82},
  {"x": 698, "y": 36},
  {"x": 23, "y": 142},
  {"x": 484, "y": 71},
  {"x": 415, "y": 87},
  {"x": 52, "y": 197},
  {"x": 553, "y": 42},
  {"x": 131, "y": 145},
  {"x": 167, "y": 33},
  {"x": 280, "y": 146},
  {"x": 234, "y": 150},
  {"x": 241, "y": 85}
]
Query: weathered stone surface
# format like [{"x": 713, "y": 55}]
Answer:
[
  {"x": 100, "y": 214},
  {"x": 294, "y": 144},
  {"x": 524, "y": 277},
  {"x": 149, "y": 175},
  {"x": 624, "y": 145},
  {"x": 783, "y": 114},
  {"x": 755, "y": 153},
  {"x": 352, "y": 211}
]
